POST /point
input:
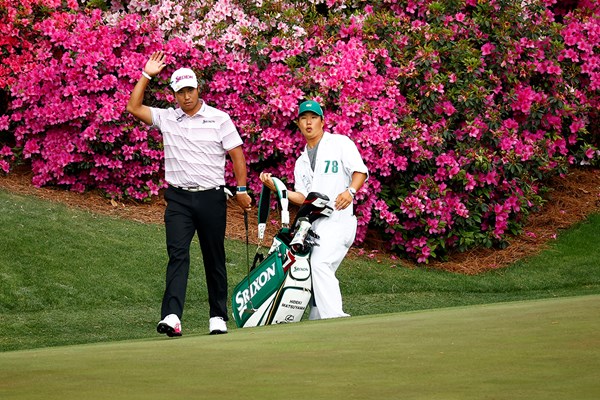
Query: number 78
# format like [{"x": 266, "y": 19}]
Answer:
[{"x": 333, "y": 164}]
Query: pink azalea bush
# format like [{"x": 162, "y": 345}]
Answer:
[{"x": 461, "y": 109}]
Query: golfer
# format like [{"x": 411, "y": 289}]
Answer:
[
  {"x": 330, "y": 164},
  {"x": 196, "y": 138}
]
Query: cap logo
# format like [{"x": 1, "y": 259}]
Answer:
[{"x": 182, "y": 77}]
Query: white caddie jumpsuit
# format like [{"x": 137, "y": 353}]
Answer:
[{"x": 337, "y": 159}]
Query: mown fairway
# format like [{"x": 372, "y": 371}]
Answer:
[
  {"x": 80, "y": 294},
  {"x": 544, "y": 349}
]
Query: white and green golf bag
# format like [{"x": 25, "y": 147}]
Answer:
[{"x": 279, "y": 288}]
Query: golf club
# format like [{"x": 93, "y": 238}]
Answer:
[{"x": 249, "y": 306}]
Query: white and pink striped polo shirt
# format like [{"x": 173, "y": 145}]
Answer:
[{"x": 195, "y": 147}]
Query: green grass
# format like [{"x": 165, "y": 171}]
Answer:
[
  {"x": 534, "y": 350},
  {"x": 72, "y": 277}
]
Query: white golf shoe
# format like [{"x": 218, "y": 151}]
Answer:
[
  {"x": 170, "y": 325},
  {"x": 217, "y": 326}
]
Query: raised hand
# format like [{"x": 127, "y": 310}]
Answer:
[{"x": 155, "y": 64}]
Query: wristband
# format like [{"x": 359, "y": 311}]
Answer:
[
  {"x": 241, "y": 189},
  {"x": 145, "y": 75},
  {"x": 352, "y": 191}
]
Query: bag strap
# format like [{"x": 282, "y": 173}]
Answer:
[{"x": 264, "y": 206}]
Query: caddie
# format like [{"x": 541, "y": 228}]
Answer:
[{"x": 330, "y": 164}]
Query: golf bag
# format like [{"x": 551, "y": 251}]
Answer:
[{"x": 279, "y": 288}]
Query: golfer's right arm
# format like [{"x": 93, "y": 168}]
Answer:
[{"x": 135, "y": 105}]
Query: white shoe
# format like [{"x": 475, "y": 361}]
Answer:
[
  {"x": 217, "y": 326},
  {"x": 170, "y": 325}
]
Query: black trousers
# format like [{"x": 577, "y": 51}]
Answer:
[{"x": 188, "y": 213}]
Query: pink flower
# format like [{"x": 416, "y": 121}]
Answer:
[
  {"x": 590, "y": 153},
  {"x": 4, "y": 166},
  {"x": 424, "y": 256},
  {"x": 6, "y": 151},
  {"x": 524, "y": 100},
  {"x": 448, "y": 108},
  {"x": 577, "y": 125},
  {"x": 412, "y": 206},
  {"x": 487, "y": 49},
  {"x": 4, "y": 120}
]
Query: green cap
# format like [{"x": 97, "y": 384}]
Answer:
[{"x": 312, "y": 106}]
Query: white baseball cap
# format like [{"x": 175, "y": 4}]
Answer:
[{"x": 183, "y": 77}]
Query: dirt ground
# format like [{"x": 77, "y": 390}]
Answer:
[{"x": 570, "y": 200}]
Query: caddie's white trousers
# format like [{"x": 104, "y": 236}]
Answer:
[{"x": 336, "y": 235}]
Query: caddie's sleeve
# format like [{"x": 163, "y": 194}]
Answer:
[
  {"x": 352, "y": 159},
  {"x": 301, "y": 180}
]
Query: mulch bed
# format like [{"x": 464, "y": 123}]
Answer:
[{"x": 570, "y": 200}]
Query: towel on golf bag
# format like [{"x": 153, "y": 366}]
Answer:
[{"x": 279, "y": 289}]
